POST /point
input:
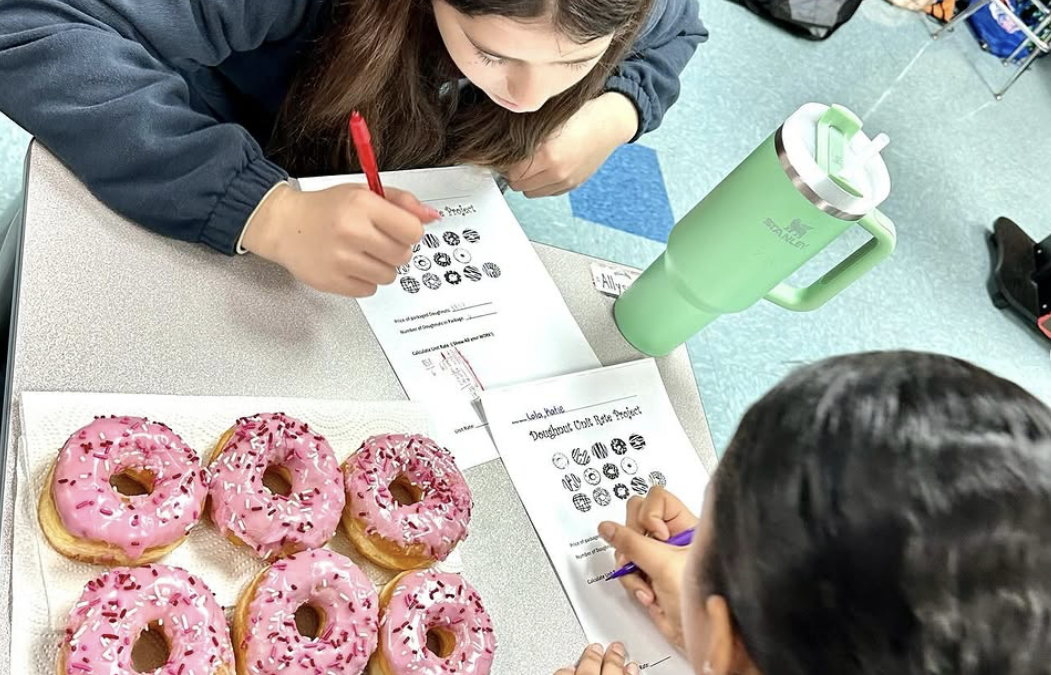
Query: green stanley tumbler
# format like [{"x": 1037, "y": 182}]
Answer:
[{"x": 810, "y": 181}]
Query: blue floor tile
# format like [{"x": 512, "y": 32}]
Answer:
[{"x": 628, "y": 194}]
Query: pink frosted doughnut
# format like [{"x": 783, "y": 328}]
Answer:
[
  {"x": 84, "y": 517},
  {"x": 265, "y": 634},
  {"x": 115, "y": 609},
  {"x": 428, "y": 521},
  {"x": 434, "y": 624},
  {"x": 275, "y": 525}
]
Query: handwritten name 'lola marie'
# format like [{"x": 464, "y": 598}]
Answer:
[{"x": 547, "y": 412}]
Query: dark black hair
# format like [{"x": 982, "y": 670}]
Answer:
[{"x": 888, "y": 514}]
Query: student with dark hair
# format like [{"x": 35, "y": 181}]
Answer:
[
  {"x": 876, "y": 514},
  {"x": 188, "y": 116}
]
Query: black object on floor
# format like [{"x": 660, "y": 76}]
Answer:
[
  {"x": 1021, "y": 275},
  {"x": 811, "y": 19}
]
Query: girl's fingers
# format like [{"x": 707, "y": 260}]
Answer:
[
  {"x": 410, "y": 203},
  {"x": 540, "y": 187},
  {"x": 382, "y": 247},
  {"x": 613, "y": 662},
  {"x": 635, "y": 584},
  {"x": 590, "y": 661},
  {"x": 525, "y": 174},
  {"x": 663, "y": 623},
  {"x": 364, "y": 267},
  {"x": 632, "y": 521},
  {"x": 653, "y": 514}
]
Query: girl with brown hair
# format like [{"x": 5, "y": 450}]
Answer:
[{"x": 188, "y": 116}]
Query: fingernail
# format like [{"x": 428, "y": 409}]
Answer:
[
  {"x": 633, "y": 668},
  {"x": 434, "y": 213},
  {"x": 643, "y": 597},
  {"x": 597, "y": 648},
  {"x": 606, "y": 530},
  {"x": 617, "y": 649}
]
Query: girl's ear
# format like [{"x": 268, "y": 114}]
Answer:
[{"x": 727, "y": 654}]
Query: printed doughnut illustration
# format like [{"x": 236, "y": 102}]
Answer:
[
  {"x": 619, "y": 446},
  {"x": 491, "y": 270},
  {"x": 592, "y": 476},
  {"x": 571, "y": 482},
  {"x": 416, "y": 247},
  {"x": 403, "y": 269},
  {"x": 472, "y": 273},
  {"x": 637, "y": 441},
  {"x": 639, "y": 486},
  {"x": 453, "y": 277},
  {"x": 560, "y": 461},
  {"x": 422, "y": 263},
  {"x": 628, "y": 466},
  {"x": 580, "y": 456},
  {"x": 601, "y": 496},
  {"x": 431, "y": 240},
  {"x": 600, "y": 450},
  {"x": 610, "y": 471},
  {"x": 472, "y": 236},
  {"x": 442, "y": 259},
  {"x": 620, "y": 490},
  {"x": 462, "y": 255},
  {"x": 657, "y": 478},
  {"x": 582, "y": 502},
  {"x": 451, "y": 238},
  {"x": 410, "y": 285},
  {"x": 432, "y": 281}
]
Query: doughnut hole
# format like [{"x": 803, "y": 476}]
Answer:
[
  {"x": 440, "y": 642},
  {"x": 151, "y": 649},
  {"x": 310, "y": 621},
  {"x": 133, "y": 482},
  {"x": 404, "y": 492},
  {"x": 277, "y": 480}
]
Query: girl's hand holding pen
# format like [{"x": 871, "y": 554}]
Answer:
[
  {"x": 344, "y": 240},
  {"x": 658, "y": 588}
]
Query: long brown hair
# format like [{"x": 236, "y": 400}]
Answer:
[{"x": 409, "y": 92}]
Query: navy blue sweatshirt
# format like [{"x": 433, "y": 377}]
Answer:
[{"x": 161, "y": 107}]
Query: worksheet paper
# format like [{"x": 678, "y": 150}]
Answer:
[
  {"x": 474, "y": 309},
  {"x": 577, "y": 448}
]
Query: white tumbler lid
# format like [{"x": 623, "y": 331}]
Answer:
[{"x": 851, "y": 179}]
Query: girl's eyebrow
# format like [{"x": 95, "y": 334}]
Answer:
[{"x": 500, "y": 56}]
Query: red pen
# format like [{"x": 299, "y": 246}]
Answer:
[{"x": 359, "y": 133}]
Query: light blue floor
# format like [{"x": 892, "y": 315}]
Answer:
[
  {"x": 13, "y": 143},
  {"x": 958, "y": 160}
]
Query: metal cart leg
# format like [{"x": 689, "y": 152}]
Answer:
[
  {"x": 1018, "y": 50},
  {"x": 1018, "y": 72},
  {"x": 1039, "y": 30},
  {"x": 961, "y": 17}
]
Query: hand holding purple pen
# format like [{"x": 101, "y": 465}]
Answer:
[{"x": 684, "y": 538}]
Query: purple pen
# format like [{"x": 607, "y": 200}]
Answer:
[{"x": 684, "y": 538}]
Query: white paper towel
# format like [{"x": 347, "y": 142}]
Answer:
[{"x": 45, "y": 585}]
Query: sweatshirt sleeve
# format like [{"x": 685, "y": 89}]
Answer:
[
  {"x": 650, "y": 74},
  {"x": 93, "y": 81}
]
